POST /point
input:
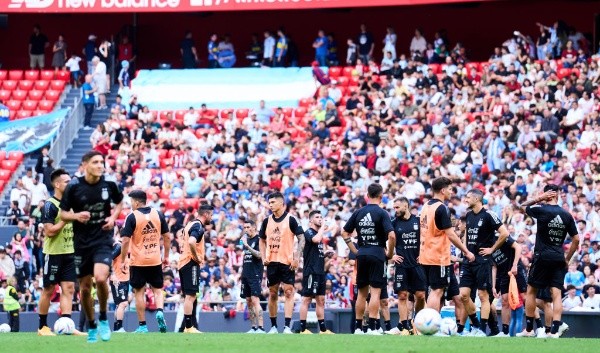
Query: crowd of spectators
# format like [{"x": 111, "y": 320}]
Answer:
[{"x": 506, "y": 126}]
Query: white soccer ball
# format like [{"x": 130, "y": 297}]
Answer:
[
  {"x": 4, "y": 328},
  {"x": 448, "y": 327},
  {"x": 427, "y": 321},
  {"x": 64, "y": 326}
]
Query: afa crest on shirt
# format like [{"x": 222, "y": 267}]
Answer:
[
  {"x": 480, "y": 222},
  {"x": 104, "y": 194},
  {"x": 416, "y": 226}
]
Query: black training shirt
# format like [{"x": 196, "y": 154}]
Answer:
[
  {"x": 553, "y": 226},
  {"x": 314, "y": 257},
  {"x": 372, "y": 225},
  {"x": 408, "y": 233}
]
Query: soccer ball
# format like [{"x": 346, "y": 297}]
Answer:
[
  {"x": 448, "y": 327},
  {"x": 428, "y": 321},
  {"x": 4, "y": 328},
  {"x": 64, "y": 326}
]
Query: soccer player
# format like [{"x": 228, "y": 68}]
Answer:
[
  {"x": 549, "y": 264},
  {"x": 141, "y": 235},
  {"x": 192, "y": 256},
  {"x": 481, "y": 228},
  {"x": 313, "y": 272},
  {"x": 408, "y": 274},
  {"x": 436, "y": 235},
  {"x": 252, "y": 274},
  {"x": 277, "y": 234},
  {"x": 58, "y": 249},
  {"x": 374, "y": 228},
  {"x": 119, "y": 285},
  {"x": 87, "y": 203}
]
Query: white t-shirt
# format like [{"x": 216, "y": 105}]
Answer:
[
  {"x": 269, "y": 47},
  {"x": 190, "y": 118},
  {"x": 73, "y": 64}
]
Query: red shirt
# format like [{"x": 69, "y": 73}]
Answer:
[
  {"x": 125, "y": 52},
  {"x": 370, "y": 162}
]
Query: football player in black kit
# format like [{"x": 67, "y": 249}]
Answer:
[
  {"x": 408, "y": 274},
  {"x": 549, "y": 264},
  {"x": 252, "y": 274},
  {"x": 481, "y": 227},
  {"x": 313, "y": 272},
  {"x": 87, "y": 202},
  {"x": 374, "y": 229}
]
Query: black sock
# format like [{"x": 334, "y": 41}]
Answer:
[
  {"x": 118, "y": 325},
  {"x": 274, "y": 322},
  {"x": 253, "y": 328},
  {"x": 377, "y": 324},
  {"x": 302, "y": 325},
  {"x": 159, "y": 309},
  {"x": 102, "y": 316},
  {"x": 92, "y": 324},
  {"x": 406, "y": 324},
  {"x": 194, "y": 319},
  {"x": 474, "y": 320},
  {"x": 322, "y": 326},
  {"x": 188, "y": 321},
  {"x": 505, "y": 329},
  {"x": 43, "y": 320},
  {"x": 66, "y": 315},
  {"x": 548, "y": 329},
  {"x": 400, "y": 325},
  {"x": 261, "y": 328},
  {"x": 287, "y": 322},
  {"x": 529, "y": 323},
  {"x": 142, "y": 323},
  {"x": 358, "y": 324},
  {"x": 538, "y": 323},
  {"x": 388, "y": 325},
  {"x": 555, "y": 325},
  {"x": 483, "y": 324},
  {"x": 460, "y": 328},
  {"x": 372, "y": 324}
]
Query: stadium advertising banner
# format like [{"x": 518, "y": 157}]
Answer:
[
  {"x": 114, "y": 6},
  {"x": 28, "y": 135}
]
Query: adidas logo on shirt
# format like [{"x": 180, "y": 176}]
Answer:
[
  {"x": 557, "y": 222},
  {"x": 149, "y": 228},
  {"x": 366, "y": 221}
]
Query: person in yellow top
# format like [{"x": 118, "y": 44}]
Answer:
[
  {"x": 59, "y": 260},
  {"x": 11, "y": 303}
]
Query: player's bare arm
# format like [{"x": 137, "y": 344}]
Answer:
[
  {"x": 262, "y": 245},
  {"x": 254, "y": 253},
  {"x": 391, "y": 247},
  {"x": 51, "y": 230},
  {"x": 573, "y": 248},
  {"x": 166, "y": 247},
  {"x": 70, "y": 216},
  {"x": 548, "y": 195},
  {"x": 298, "y": 251},
  {"x": 502, "y": 236},
  {"x": 348, "y": 240}
]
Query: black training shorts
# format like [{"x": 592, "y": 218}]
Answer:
[
  {"x": 545, "y": 273},
  {"x": 476, "y": 275},
  {"x": 140, "y": 275},
  {"x": 437, "y": 277},
  {"x": 120, "y": 292},
  {"x": 313, "y": 285},
  {"x": 279, "y": 273},
  {"x": 85, "y": 259},
  {"x": 251, "y": 287},
  {"x": 59, "y": 268},
  {"x": 370, "y": 272},
  {"x": 409, "y": 279},
  {"x": 188, "y": 276}
]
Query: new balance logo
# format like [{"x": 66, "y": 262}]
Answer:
[
  {"x": 30, "y": 4},
  {"x": 149, "y": 228},
  {"x": 366, "y": 221}
]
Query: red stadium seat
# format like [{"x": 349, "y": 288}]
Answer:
[
  {"x": 9, "y": 165},
  {"x": 16, "y": 156},
  {"x": 162, "y": 153},
  {"x": 348, "y": 71},
  {"x": 300, "y": 112},
  {"x": 15, "y": 75},
  {"x": 47, "y": 75},
  {"x": 223, "y": 114},
  {"x": 2, "y": 185},
  {"x": 4, "y": 95},
  {"x": 191, "y": 202},
  {"x": 172, "y": 204},
  {"x": 29, "y": 105},
  {"x": 42, "y": 85},
  {"x": 24, "y": 114},
  {"x": 564, "y": 72},
  {"x": 13, "y": 105},
  {"x": 241, "y": 113},
  {"x": 334, "y": 72},
  {"x": 343, "y": 81},
  {"x": 288, "y": 112},
  {"x": 2, "y": 155},
  {"x": 473, "y": 65},
  {"x": 165, "y": 161},
  {"x": 19, "y": 95},
  {"x": 3, "y": 75},
  {"x": 32, "y": 75},
  {"x": 163, "y": 114},
  {"x": 46, "y": 105},
  {"x": 35, "y": 95},
  {"x": 353, "y": 81},
  {"x": 171, "y": 153},
  {"x": 305, "y": 102},
  {"x": 63, "y": 76},
  {"x": 12, "y": 115},
  {"x": 131, "y": 123},
  {"x": 179, "y": 114},
  {"x": 165, "y": 193},
  {"x": 5, "y": 174},
  {"x": 10, "y": 85},
  {"x": 575, "y": 71},
  {"x": 435, "y": 68},
  {"x": 58, "y": 85},
  {"x": 52, "y": 95},
  {"x": 39, "y": 112},
  {"x": 25, "y": 85}
]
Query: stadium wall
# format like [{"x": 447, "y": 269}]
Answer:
[{"x": 480, "y": 26}]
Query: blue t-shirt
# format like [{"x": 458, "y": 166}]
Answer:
[
  {"x": 87, "y": 98},
  {"x": 323, "y": 49},
  {"x": 281, "y": 47},
  {"x": 213, "y": 50},
  {"x": 575, "y": 278}
]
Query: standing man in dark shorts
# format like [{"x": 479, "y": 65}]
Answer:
[
  {"x": 59, "y": 265},
  {"x": 192, "y": 256},
  {"x": 374, "y": 229},
  {"x": 143, "y": 230},
  {"x": 437, "y": 233},
  {"x": 549, "y": 264},
  {"x": 481, "y": 228},
  {"x": 252, "y": 275},
  {"x": 277, "y": 234},
  {"x": 409, "y": 277},
  {"x": 313, "y": 272},
  {"x": 87, "y": 202}
]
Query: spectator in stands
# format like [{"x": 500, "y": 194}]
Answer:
[
  {"x": 7, "y": 265},
  {"x": 226, "y": 56},
  {"x": 89, "y": 51},
  {"x": 39, "y": 191},
  {"x": 99, "y": 81},
  {"x": 268, "y": 49},
  {"x": 332, "y": 55},
  {"x": 351, "y": 53},
  {"x": 123, "y": 79},
  {"x": 189, "y": 55},
  {"x": 38, "y": 43},
  {"x": 418, "y": 44},
  {"x": 73, "y": 66},
  {"x": 263, "y": 114},
  {"x": 134, "y": 108},
  {"x": 20, "y": 195},
  {"x": 213, "y": 52},
  {"x": 572, "y": 300},
  {"x": 592, "y": 301},
  {"x": 59, "y": 53},
  {"x": 125, "y": 52},
  {"x": 575, "y": 278},
  {"x": 321, "y": 45},
  {"x": 281, "y": 48},
  {"x": 366, "y": 44}
]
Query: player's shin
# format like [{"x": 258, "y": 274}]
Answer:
[
  {"x": 140, "y": 303},
  {"x": 66, "y": 297}
]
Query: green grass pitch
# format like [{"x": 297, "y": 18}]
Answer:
[{"x": 246, "y": 343}]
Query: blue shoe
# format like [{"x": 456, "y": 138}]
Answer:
[
  {"x": 162, "y": 325},
  {"x": 141, "y": 329},
  {"x": 92, "y": 335},
  {"x": 104, "y": 330}
]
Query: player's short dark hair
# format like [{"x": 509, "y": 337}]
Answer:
[
  {"x": 313, "y": 213},
  {"x": 57, "y": 173},
  {"x": 250, "y": 222},
  {"x": 205, "y": 209},
  {"x": 89, "y": 155},
  {"x": 477, "y": 193},
  {"x": 402, "y": 199},
  {"x": 551, "y": 187},
  {"x": 440, "y": 183},
  {"x": 139, "y": 195},
  {"x": 374, "y": 191},
  {"x": 275, "y": 195}
]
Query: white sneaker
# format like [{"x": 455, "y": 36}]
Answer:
[
  {"x": 394, "y": 331},
  {"x": 502, "y": 334},
  {"x": 475, "y": 332},
  {"x": 540, "y": 333},
  {"x": 287, "y": 330},
  {"x": 526, "y": 333},
  {"x": 373, "y": 332},
  {"x": 273, "y": 331},
  {"x": 251, "y": 331},
  {"x": 259, "y": 331},
  {"x": 562, "y": 329},
  {"x": 121, "y": 330},
  {"x": 86, "y": 128},
  {"x": 358, "y": 332}
]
